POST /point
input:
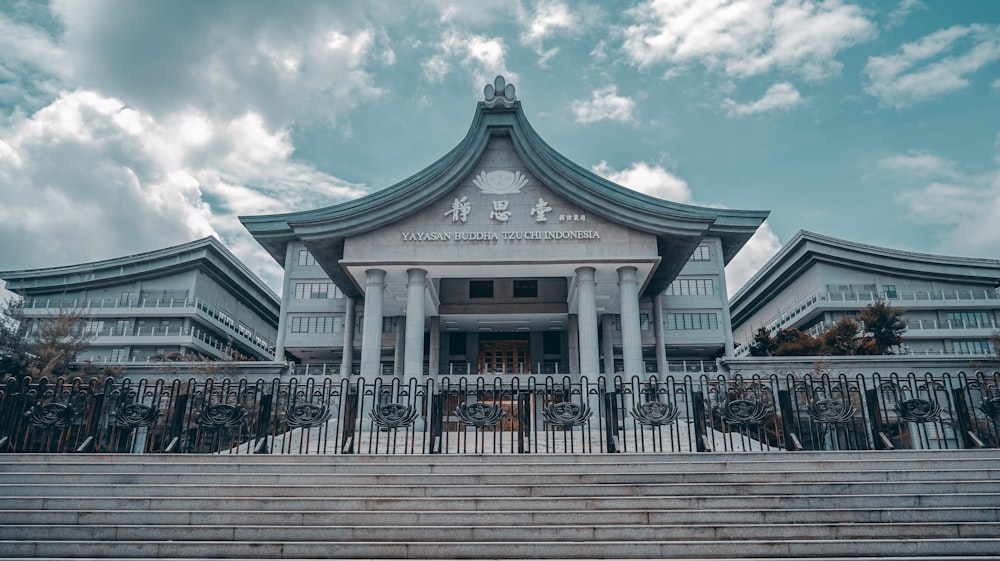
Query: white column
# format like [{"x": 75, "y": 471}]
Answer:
[
  {"x": 573, "y": 330},
  {"x": 413, "y": 361},
  {"x": 586, "y": 304},
  {"x": 658, "y": 331},
  {"x": 727, "y": 322},
  {"x": 347, "y": 358},
  {"x": 608, "y": 343},
  {"x": 286, "y": 297},
  {"x": 371, "y": 339},
  {"x": 628, "y": 295},
  {"x": 434, "y": 360},
  {"x": 399, "y": 334}
]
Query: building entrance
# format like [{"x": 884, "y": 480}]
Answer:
[{"x": 504, "y": 357}]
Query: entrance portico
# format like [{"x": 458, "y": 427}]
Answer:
[{"x": 442, "y": 291}]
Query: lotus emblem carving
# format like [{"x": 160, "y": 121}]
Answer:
[{"x": 500, "y": 182}]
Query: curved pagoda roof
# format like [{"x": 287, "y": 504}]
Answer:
[{"x": 678, "y": 227}]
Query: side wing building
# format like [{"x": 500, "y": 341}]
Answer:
[
  {"x": 951, "y": 304},
  {"x": 191, "y": 299}
]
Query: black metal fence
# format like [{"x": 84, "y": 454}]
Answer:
[{"x": 501, "y": 416}]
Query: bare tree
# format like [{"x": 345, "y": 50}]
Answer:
[{"x": 40, "y": 347}]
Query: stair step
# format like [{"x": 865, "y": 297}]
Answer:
[
  {"x": 497, "y": 532},
  {"x": 501, "y": 490},
  {"x": 989, "y": 500},
  {"x": 749, "y": 515},
  {"x": 705, "y": 549},
  {"x": 330, "y": 477}
]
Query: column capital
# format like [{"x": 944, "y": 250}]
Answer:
[
  {"x": 585, "y": 273},
  {"x": 375, "y": 276},
  {"x": 628, "y": 273},
  {"x": 416, "y": 275}
]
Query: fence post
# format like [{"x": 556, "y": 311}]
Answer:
[
  {"x": 698, "y": 412},
  {"x": 351, "y": 396},
  {"x": 874, "y": 422},
  {"x": 434, "y": 424},
  {"x": 177, "y": 425},
  {"x": 263, "y": 422},
  {"x": 610, "y": 420},
  {"x": 962, "y": 414},
  {"x": 785, "y": 403}
]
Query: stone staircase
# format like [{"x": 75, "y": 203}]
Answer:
[{"x": 845, "y": 505}]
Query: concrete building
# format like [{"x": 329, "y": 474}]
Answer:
[
  {"x": 504, "y": 257},
  {"x": 952, "y": 303},
  {"x": 195, "y": 298}
]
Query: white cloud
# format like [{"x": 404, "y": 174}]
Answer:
[
  {"x": 758, "y": 249},
  {"x": 605, "y": 104},
  {"x": 746, "y": 37},
  {"x": 482, "y": 58},
  {"x": 307, "y": 60},
  {"x": 652, "y": 180},
  {"x": 922, "y": 164},
  {"x": 32, "y": 66},
  {"x": 904, "y": 9},
  {"x": 779, "y": 96},
  {"x": 965, "y": 206},
  {"x": 126, "y": 182},
  {"x": 933, "y": 66},
  {"x": 549, "y": 18},
  {"x": 656, "y": 181}
]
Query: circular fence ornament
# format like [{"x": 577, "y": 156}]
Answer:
[
  {"x": 51, "y": 415},
  {"x": 655, "y": 413},
  {"x": 567, "y": 414},
  {"x": 834, "y": 411},
  {"x": 744, "y": 412},
  {"x": 134, "y": 415},
  {"x": 393, "y": 415},
  {"x": 220, "y": 415},
  {"x": 307, "y": 415},
  {"x": 991, "y": 408},
  {"x": 918, "y": 410},
  {"x": 480, "y": 414}
]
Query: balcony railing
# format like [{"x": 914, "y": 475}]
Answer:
[
  {"x": 865, "y": 298},
  {"x": 88, "y": 306},
  {"x": 950, "y": 324}
]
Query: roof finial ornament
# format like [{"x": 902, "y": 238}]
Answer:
[{"x": 499, "y": 93}]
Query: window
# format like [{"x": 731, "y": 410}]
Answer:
[
  {"x": 552, "y": 343},
  {"x": 970, "y": 319},
  {"x": 973, "y": 347},
  {"x": 480, "y": 289},
  {"x": 889, "y": 290},
  {"x": 643, "y": 322},
  {"x": 305, "y": 258},
  {"x": 692, "y": 321},
  {"x": 525, "y": 289},
  {"x": 691, "y": 287},
  {"x": 317, "y": 324},
  {"x": 701, "y": 253},
  {"x": 456, "y": 343},
  {"x": 316, "y": 290}
]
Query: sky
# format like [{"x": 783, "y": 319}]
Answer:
[{"x": 130, "y": 126}]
